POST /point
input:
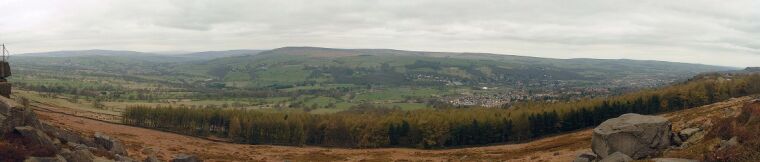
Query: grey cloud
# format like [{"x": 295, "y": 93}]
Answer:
[{"x": 651, "y": 29}]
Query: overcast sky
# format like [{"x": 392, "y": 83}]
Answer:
[{"x": 696, "y": 31}]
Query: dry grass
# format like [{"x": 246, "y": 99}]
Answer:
[
  {"x": 695, "y": 151},
  {"x": 744, "y": 127},
  {"x": 744, "y": 124},
  {"x": 317, "y": 156}
]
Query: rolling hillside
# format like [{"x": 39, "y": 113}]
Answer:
[
  {"x": 394, "y": 66},
  {"x": 373, "y": 66},
  {"x": 331, "y": 80}
]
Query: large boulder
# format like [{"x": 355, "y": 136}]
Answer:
[
  {"x": 111, "y": 144},
  {"x": 637, "y": 136},
  {"x": 36, "y": 136},
  {"x": 186, "y": 158},
  {"x": 82, "y": 155}
]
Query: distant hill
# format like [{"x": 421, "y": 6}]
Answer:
[
  {"x": 194, "y": 56},
  {"x": 208, "y": 55},
  {"x": 292, "y": 65},
  {"x": 579, "y": 63},
  {"x": 101, "y": 54},
  {"x": 79, "y": 53},
  {"x": 298, "y": 64}
]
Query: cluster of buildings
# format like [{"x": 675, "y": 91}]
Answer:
[
  {"x": 508, "y": 92},
  {"x": 548, "y": 92},
  {"x": 495, "y": 99}
]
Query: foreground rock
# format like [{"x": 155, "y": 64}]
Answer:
[
  {"x": 63, "y": 145},
  {"x": 111, "y": 144},
  {"x": 725, "y": 144},
  {"x": 36, "y": 135},
  {"x": 22, "y": 121},
  {"x": 672, "y": 160},
  {"x": 151, "y": 154},
  {"x": 12, "y": 116},
  {"x": 617, "y": 157},
  {"x": 677, "y": 140},
  {"x": 69, "y": 137},
  {"x": 120, "y": 158},
  {"x": 78, "y": 155},
  {"x": 186, "y": 158},
  {"x": 46, "y": 159},
  {"x": 586, "y": 157},
  {"x": 634, "y": 135},
  {"x": 688, "y": 132},
  {"x": 151, "y": 158}
]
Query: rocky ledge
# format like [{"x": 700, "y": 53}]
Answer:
[{"x": 35, "y": 141}]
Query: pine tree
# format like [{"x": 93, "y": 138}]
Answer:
[{"x": 234, "y": 128}]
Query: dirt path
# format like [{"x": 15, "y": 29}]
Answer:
[{"x": 558, "y": 148}]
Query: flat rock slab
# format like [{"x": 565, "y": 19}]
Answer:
[
  {"x": 186, "y": 158},
  {"x": 688, "y": 132}
]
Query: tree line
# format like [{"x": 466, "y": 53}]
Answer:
[{"x": 435, "y": 128}]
